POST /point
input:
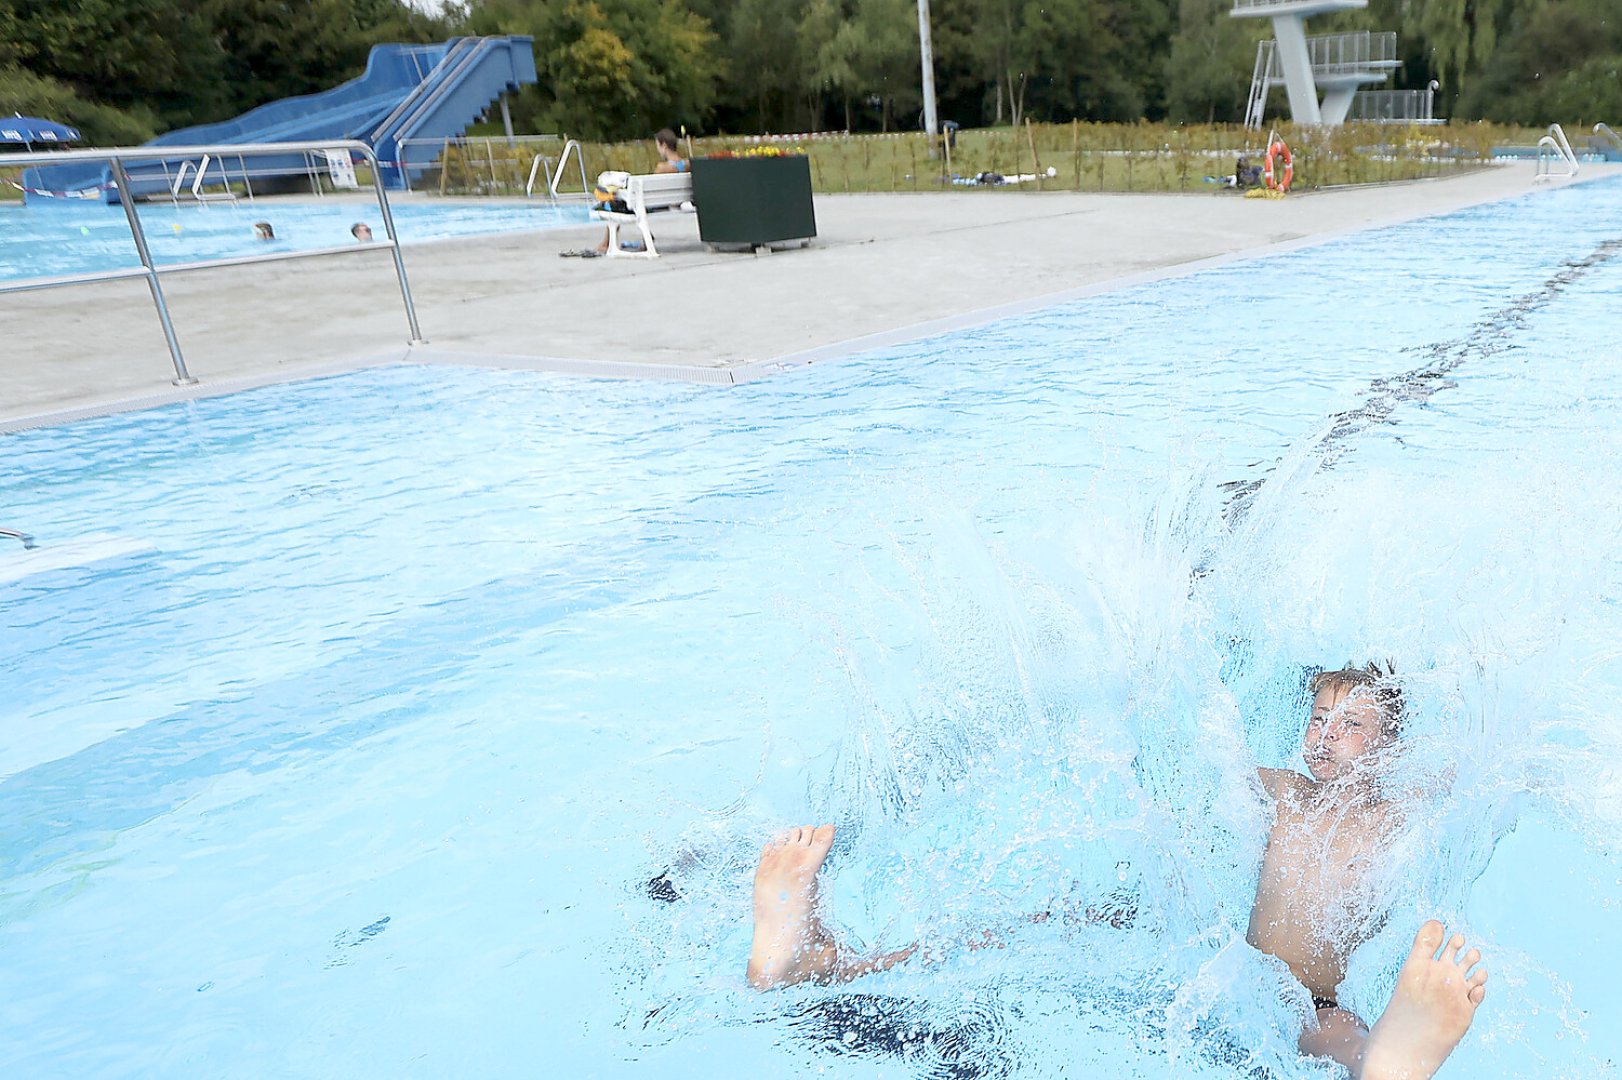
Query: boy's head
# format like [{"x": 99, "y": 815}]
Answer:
[
  {"x": 665, "y": 139},
  {"x": 1355, "y": 711}
]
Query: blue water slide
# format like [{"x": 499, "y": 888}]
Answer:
[
  {"x": 426, "y": 90},
  {"x": 470, "y": 79}
]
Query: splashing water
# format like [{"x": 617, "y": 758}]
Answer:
[
  {"x": 1020, "y": 610},
  {"x": 1069, "y": 714}
]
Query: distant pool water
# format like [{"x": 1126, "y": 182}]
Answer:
[
  {"x": 84, "y": 237},
  {"x": 346, "y": 721}
]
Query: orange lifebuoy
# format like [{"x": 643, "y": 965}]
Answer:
[{"x": 1279, "y": 150}]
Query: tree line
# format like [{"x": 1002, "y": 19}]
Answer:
[{"x": 123, "y": 70}]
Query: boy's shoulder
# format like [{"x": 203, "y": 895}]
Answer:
[{"x": 1284, "y": 783}]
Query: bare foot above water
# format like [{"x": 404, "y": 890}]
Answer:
[
  {"x": 791, "y": 945},
  {"x": 1435, "y": 1001}
]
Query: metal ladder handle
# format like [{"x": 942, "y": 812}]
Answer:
[
  {"x": 180, "y": 178},
  {"x": 1604, "y": 129},
  {"x": 28, "y": 541},
  {"x": 1559, "y": 134},
  {"x": 198, "y": 180},
  {"x": 1550, "y": 151},
  {"x": 540, "y": 164},
  {"x": 563, "y": 159}
]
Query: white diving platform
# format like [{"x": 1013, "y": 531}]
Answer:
[{"x": 1338, "y": 64}]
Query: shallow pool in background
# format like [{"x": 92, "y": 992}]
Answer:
[
  {"x": 83, "y": 237},
  {"x": 347, "y": 749}
]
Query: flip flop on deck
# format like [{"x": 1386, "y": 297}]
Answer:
[{"x": 580, "y": 253}]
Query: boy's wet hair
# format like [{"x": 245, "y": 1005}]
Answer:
[
  {"x": 666, "y": 137},
  {"x": 1378, "y": 678}
]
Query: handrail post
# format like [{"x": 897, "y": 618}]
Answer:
[
  {"x": 122, "y": 180},
  {"x": 394, "y": 245}
]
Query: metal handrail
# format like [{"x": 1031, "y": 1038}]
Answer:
[
  {"x": 115, "y": 157},
  {"x": 1245, "y": 7},
  {"x": 1261, "y": 81},
  {"x": 1605, "y": 130},
  {"x": 467, "y": 144},
  {"x": 1395, "y": 106},
  {"x": 28, "y": 541},
  {"x": 1358, "y": 52},
  {"x": 563, "y": 158},
  {"x": 1554, "y": 146}
]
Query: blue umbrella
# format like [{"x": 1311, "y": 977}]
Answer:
[{"x": 30, "y": 130}]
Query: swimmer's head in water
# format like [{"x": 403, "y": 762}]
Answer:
[
  {"x": 361, "y": 231},
  {"x": 263, "y": 231},
  {"x": 1355, "y": 712}
]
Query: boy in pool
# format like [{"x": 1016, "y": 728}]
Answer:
[{"x": 1313, "y": 906}]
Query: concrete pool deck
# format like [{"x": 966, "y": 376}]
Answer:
[{"x": 884, "y": 268}]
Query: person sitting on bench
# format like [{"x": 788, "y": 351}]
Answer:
[{"x": 670, "y": 161}]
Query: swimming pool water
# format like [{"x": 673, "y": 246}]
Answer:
[
  {"x": 84, "y": 237},
  {"x": 353, "y": 754}
]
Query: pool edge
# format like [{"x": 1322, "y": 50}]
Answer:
[{"x": 201, "y": 390}]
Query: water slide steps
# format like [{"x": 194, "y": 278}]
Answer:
[{"x": 442, "y": 108}]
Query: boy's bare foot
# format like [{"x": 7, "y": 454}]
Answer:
[
  {"x": 1430, "y": 1011},
  {"x": 791, "y": 944}
]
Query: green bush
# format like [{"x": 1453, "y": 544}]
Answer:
[{"x": 101, "y": 125}]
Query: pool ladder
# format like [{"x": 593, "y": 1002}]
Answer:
[
  {"x": 198, "y": 172},
  {"x": 28, "y": 541},
  {"x": 1554, "y": 152},
  {"x": 554, "y": 177}
]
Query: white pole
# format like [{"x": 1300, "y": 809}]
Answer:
[
  {"x": 927, "y": 52},
  {"x": 1293, "y": 55}
]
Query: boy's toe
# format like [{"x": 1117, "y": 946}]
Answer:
[{"x": 1429, "y": 939}]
